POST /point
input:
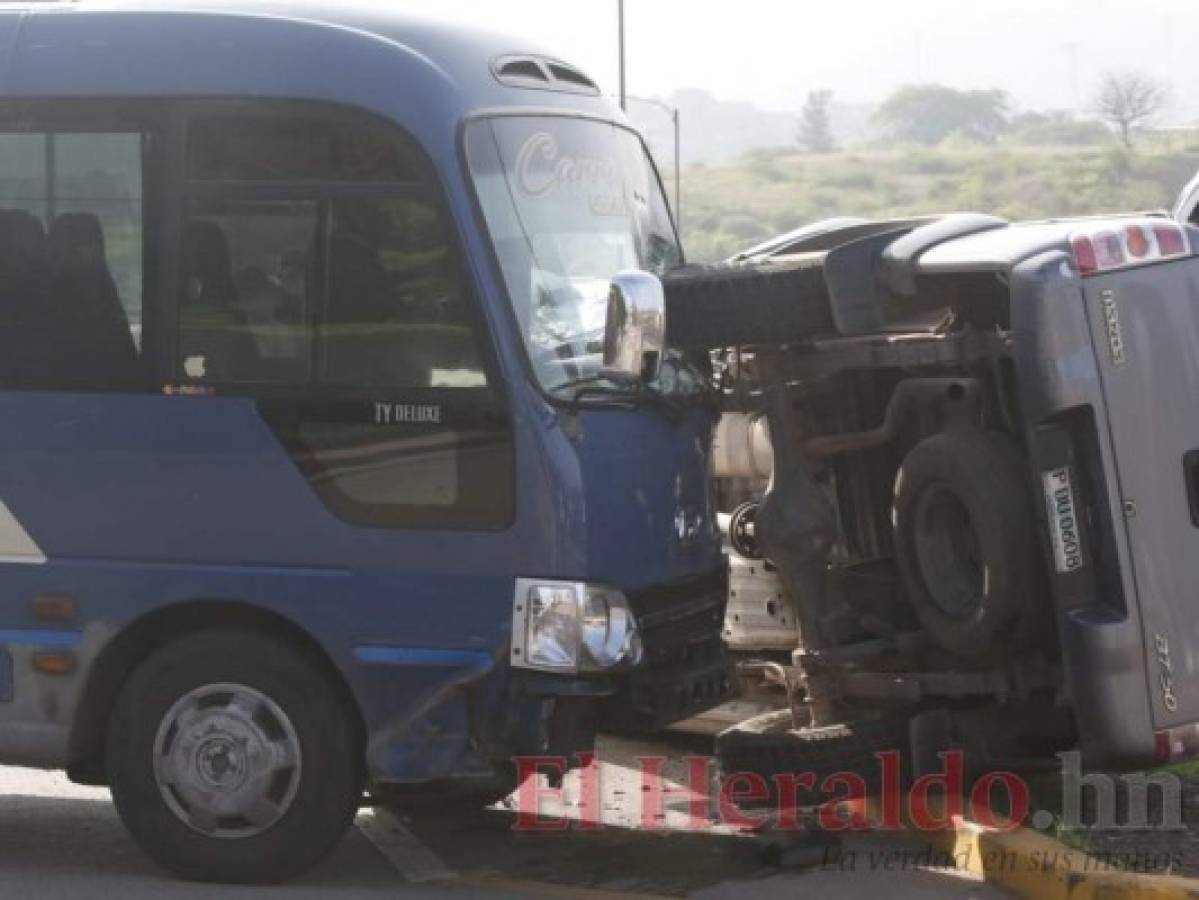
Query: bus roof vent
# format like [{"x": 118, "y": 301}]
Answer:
[
  {"x": 546, "y": 74},
  {"x": 568, "y": 75},
  {"x": 521, "y": 71}
]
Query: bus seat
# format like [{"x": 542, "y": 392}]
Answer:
[
  {"x": 215, "y": 342},
  {"x": 23, "y": 257},
  {"x": 358, "y": 284},
  {"x": 26, "y": 324},
  {"x": 87, "y": 307},
  {"x": 23, "y": 237}
]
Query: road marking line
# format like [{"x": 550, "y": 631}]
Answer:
[{"x": 416, "y": 862}]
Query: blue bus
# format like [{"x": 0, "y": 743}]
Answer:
[{"x": 313, "y": 480}]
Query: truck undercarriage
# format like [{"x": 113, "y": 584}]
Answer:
[{"x": 894, "y": 504}]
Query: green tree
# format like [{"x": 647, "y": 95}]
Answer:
[
  {"x": 929, "y": 113},
  {"x": 815, "y": 131}
]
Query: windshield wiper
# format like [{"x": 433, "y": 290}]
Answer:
[
  {"x": 603, "y": 390},
  {"x": 598, "y": 386}
]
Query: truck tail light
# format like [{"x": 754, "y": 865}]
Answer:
[
  {"x": 1106, "y": 246},
  {"x": 1172, "y": 240},
  {"x": 1177, "y": 744}
]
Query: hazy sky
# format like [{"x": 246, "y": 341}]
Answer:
[{"x": 1046, "y": 53}]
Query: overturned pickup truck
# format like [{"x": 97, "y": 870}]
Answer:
[{"x": 984, "y": 497}]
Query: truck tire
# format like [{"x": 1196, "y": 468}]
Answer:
[
  {"x": 771, "y": 745},
  {"x": 930, "y": 734},
  {"x": 232, "y": 759},
  {"x": 710, "y": 307},
  {"x": 966, "y": 543}
]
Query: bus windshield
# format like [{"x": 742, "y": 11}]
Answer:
[{"x": 569, "y": 204}]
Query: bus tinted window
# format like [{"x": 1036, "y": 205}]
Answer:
[
  {"x": 335, "y": 292},
  {"x": 344, "y": 313},
  {"x": 246, "y": 313},
  {"x": 71, "y": 260},
  {"x": 395, "y": 312},
  {"x": 265, "y": 148}
]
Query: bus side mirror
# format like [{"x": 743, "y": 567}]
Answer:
[{"x": 635, "y": 333}]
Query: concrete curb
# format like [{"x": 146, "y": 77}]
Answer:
[{"x": 1037, "y": 867}]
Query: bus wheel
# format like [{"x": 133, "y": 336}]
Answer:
[
  {"x": 966, "y": 545},
  {"x": 232, "y": 759}
]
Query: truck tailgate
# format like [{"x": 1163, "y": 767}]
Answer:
[{"x": 1145, "y": 324}]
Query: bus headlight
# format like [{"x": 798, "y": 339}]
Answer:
[{"x": 572, "y": 627}]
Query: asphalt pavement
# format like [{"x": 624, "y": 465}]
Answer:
[{"x": 62, "y": 841}]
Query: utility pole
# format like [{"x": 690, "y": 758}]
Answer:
[
  {"x": 678, "y": 173},
  {"x": 674, "y": 116},
  {"x": 624, "y": 97}
]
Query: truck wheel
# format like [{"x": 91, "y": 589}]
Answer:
[
  {"x": 930, "y": 734},
  {"x": 768, "y": 302},
  {"x": 966, "y": 546},
  {"x": 232, "y": 759},
  {"x": 770, "y": 745}
]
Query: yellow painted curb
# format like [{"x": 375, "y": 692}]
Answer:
[{"x": 1037, "y": 867}]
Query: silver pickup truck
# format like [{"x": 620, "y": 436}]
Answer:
[{"x": 983, "y": 502}]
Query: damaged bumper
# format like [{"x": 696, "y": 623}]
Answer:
[
  {"x": 476, "y": 712},
  {"x": 686, "y": 669}
]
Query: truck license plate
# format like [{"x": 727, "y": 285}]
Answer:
[{"x": 1063, "y": 521}]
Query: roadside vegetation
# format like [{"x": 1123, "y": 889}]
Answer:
[
  {"x": 981, "y": 158},
  {"x": 772, "y": 191}
]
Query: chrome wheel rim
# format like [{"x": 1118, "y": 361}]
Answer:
[{"x": 227, "y": 761}]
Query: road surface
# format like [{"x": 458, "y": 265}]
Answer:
[{"x": 61, "y": 841}]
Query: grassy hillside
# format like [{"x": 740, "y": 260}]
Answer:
[{"x": 771, "y": 191}]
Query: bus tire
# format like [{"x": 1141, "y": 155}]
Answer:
[
  {"x": 966, "y": 543},
  {"x": 232, "y": 759}
]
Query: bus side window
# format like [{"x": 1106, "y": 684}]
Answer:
[
  {"x": 319, "y": 276},
  {"x": 344, "y": 290},
  {"x": 395, "y": 314},
  {"x": 245, "y": 295},
  {"x": 71, "y": 261}
]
